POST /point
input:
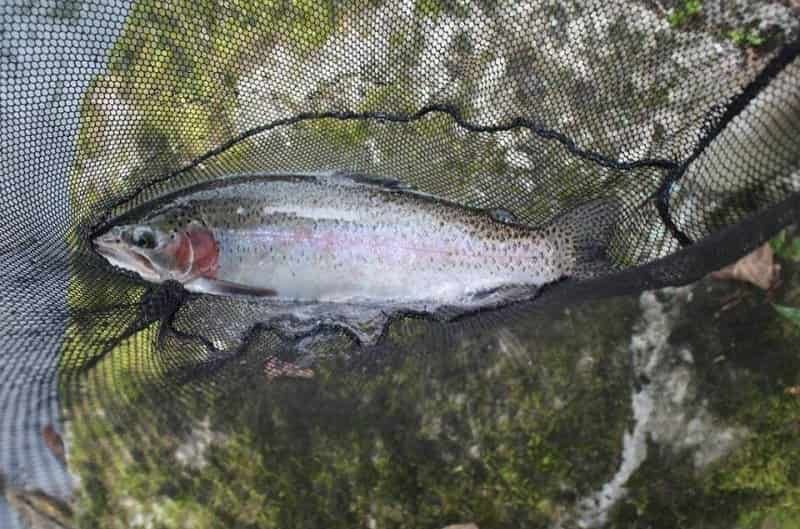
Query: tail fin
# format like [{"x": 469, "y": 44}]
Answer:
[{"x": 588, "y": 229}]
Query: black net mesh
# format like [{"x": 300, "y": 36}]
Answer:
[{"x": 689, "y": 118}]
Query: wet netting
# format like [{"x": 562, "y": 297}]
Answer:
[{"x": 685, "y": 113}]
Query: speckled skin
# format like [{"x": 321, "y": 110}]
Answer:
[{"x": 334, "y": 239}]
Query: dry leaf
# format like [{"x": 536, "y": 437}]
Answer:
[
  {"x": 758, "y": 268},
  {"x": 54, "y": 442},
  {"x": 274, "y": 368}
]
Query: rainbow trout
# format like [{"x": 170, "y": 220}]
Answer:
[{"x": 343, "y": 239}]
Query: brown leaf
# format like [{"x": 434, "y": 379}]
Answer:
[
  {"x": 758, "y": 268},
  {"x": 274, "y": 368},
  {"x": 54, "y": 442}
]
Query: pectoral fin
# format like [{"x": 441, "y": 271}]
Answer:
[{"x": 204, "y": 285}]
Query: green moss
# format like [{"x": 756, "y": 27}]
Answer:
[
  {"x": 336, "y": 132},
  {"x": 379, "y": 98},
  {"x": 683, "y": 13},
  {"x": 165, "y": 75},
  {"x": 763, "y": 474},
  {"x": 791, "y": 314},
  {"x": 786, "y": 245},
  {"x": 429, "y": 8},
  {"x": 312, "y": 23},
  {"x": 434, "y": 440},
  {"x": 746, "y": 37},
  {"x": 433, "y": 9}
]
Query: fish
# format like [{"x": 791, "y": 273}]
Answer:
[{"x": 340, "y": 239}]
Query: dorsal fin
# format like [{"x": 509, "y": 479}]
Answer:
[
  {"x": 369, "y": 180},
  {"x": 503, "y": 215}
]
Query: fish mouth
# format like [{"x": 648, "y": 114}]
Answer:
[{"x": 113, "y": 249}]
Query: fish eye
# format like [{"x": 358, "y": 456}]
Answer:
[{"x": 144, "y": 238}]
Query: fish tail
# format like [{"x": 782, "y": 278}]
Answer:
[{"x": 584, "y": 234}]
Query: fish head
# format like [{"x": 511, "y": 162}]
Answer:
[{"x": 161, "y": 251}]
